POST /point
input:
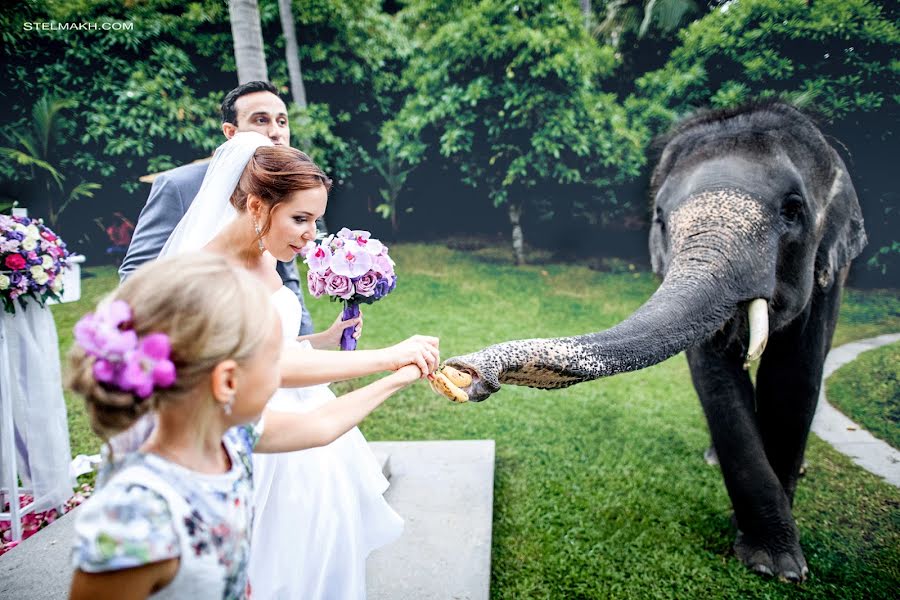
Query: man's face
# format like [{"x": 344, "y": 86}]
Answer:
[{"x": 262, "y": 112}]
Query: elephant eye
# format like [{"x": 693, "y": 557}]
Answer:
[
  {"x": 658, "y": 219},
  {"x": 792, "y": 207}
]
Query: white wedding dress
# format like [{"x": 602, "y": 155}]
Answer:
[{"x": 319, "y": 512}]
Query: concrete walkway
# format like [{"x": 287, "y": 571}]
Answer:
[
  {"x": 443, "y": 489},
  {"x": 847, "y": 437}
]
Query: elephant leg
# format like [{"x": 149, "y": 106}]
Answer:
[
  {"x": 767, "y": 540},
  {"x": 788, "y": 384}
]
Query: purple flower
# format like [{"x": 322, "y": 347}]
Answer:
[
  {"x": 338, "y": 285},
  {"x": 383, "y": 266},
  {"x": 123, "y": 360},
  {"x": 365, "y": 284},
  {"x": 316, "y": 283},
  {"x": 382, "y": 287},
  {"x": 351, "y": 263},
  {"x": 319, "y": 259}
]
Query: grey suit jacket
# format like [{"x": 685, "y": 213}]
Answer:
[{"x": 170, "y": 197}]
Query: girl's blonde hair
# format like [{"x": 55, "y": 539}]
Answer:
[{"x": 210, "y": 310}]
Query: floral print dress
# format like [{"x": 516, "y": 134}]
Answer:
[{"x": 150, "y": 509}]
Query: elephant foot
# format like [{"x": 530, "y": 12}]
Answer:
[
  {"x": 710, "y": 456},
  {"x": 787, "y": 565}
]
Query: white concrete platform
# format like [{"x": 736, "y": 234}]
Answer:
[
  {"x": 445, "y": 493},
  {"x": 843, "y": 434}
]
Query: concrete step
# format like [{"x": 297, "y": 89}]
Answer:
[{"x": 445, "y": 493}]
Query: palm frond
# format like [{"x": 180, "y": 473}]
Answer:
[{"x": 28, "y": 160}]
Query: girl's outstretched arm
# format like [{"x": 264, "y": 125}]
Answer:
[
  {"x": 136, "y": 583},
  {"x": 301, "y": 367},
  {"x": 287, "y": 431}
]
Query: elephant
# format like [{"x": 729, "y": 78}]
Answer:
[{"x": 755, "y": 223}]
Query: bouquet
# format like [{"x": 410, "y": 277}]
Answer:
[
  {"x": 32, "y": 259},
  {"x": 353, "y": 267}
]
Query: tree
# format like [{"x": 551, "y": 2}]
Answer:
[
  {"x": 249, "y": 52},
  {"x": 37, "y": 150},
  {"x": 831, "y": 57},
  {"x": 291, "y": 53},
  {"x": 507, "y": 92}
]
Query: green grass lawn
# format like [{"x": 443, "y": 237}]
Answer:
[
  {"x": 868, "y": 391},
  {"x": 600, "y": 489}
]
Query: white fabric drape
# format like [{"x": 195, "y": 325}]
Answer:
[{"x": 32, "y": 388}]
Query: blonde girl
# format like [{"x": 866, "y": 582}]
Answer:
[{"x": 202, "y": 351}]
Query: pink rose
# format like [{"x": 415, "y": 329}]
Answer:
[
  {"x": 316, "y": 284},
  {"x": 15, "y": 261},
  {"x": 365, "y": 284},
  {"x": 338, "y": 285}
]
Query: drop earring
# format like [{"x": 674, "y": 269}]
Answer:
[
  {"x": 226, "y": 408},
  {"x": 259, "y": 237}
]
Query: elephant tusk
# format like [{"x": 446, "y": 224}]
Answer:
[{"x": 758, "y": 313}]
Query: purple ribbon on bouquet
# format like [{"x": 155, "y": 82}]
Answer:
[{"x": 351, "y": 311}]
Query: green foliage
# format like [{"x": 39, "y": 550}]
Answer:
[
  {"x": 834, "y": 55},
  {"x": 868, "y": 391},
  {"x": 130, "y": 92},
  {"x": 508, "y": 92},
  {"x": 600, "y": 489},
  {"x": 38, "y": 151}
]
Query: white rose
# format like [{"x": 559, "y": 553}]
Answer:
[
  {"x": 32, "y": 232},
  {"x": 39, "y": 275},
  {"x": 47, "y": 261},
  {"x": 4, "y": 282},
  {"x": 29, "y": 244},
  {"x": 57, "y": 285}
]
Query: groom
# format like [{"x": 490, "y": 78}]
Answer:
[{"x": 253, "y": 106}]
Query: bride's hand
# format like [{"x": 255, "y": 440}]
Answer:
[
  {"x": 420, "y": 350},
  {"x": 331, "y": 337}
]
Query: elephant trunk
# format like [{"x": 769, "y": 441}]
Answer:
[{"x": 715, "y": 268}]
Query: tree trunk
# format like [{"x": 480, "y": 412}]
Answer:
[
  {"x": 518, "y": 240},
  {"x": 586, "y": 12},
  {"x": 291, "y": 51},
  {"x": 246, "y": 33}
]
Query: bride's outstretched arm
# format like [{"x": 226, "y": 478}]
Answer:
[
  {"x": 289, "y": 431},
  {"x": 302, "y": 367}
]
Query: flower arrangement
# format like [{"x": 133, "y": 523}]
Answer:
[
  {"x": 34, "y": 522},
  {"x": 124, "y": 361},
  {"x": 32, "y": 259},
  {"x": 353, "y": 267}
]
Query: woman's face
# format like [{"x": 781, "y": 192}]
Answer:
[{"x": 292, "y": 223}]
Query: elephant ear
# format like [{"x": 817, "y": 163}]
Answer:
[{"x": 844, "y": 236}]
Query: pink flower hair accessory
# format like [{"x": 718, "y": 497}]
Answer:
[{"x": 125, "y": 361}]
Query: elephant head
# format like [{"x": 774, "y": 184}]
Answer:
[{"x": 752, "y": 209}]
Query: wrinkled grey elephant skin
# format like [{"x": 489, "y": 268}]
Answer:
[{"x": 749, "y": 205}]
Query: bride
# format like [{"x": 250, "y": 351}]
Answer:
[{"x": 319, "y": 512}]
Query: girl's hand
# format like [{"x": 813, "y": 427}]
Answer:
[
  {"x": 331, "y": 337},
  {"x": 419, "y": 350},
  {"x": 408, "y": 374}
]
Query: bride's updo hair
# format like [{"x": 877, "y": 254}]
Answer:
[
  {"x": 275, "y": 172},
  {"x": 210, "y": 311}
]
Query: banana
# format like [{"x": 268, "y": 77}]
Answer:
[
  {"x": 442, "y": 385},
  {"x": 458, "y": 378}
]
